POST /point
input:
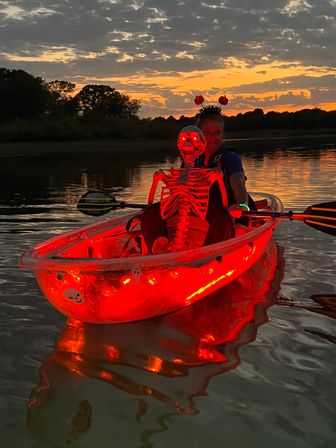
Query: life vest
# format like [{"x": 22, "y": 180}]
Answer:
[{"x": 219, "y": 159}]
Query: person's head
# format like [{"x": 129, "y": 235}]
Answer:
[{"x": 211, "y": 121}]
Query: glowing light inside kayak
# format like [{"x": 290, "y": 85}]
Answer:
[
  {"x": 127, "y": 280},
  {"x": 152, "y": 280},
  {"x": 154, "y": 364},
  {"x": 208, "y": 338},
  {"x": 106, "y": 376},
  {"x": 108, "y": 291},
  {"x": 209, "y": 354},
  {"x": 112, "y": 353},
  {"x": 209, "y": 285}
]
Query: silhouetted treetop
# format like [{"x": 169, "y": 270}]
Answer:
[
  {"x": 21, "y": 94},
  {"x": 106, "y": 101},
  {"x": 60, "y": 90}
]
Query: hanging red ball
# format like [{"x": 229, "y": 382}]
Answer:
[
  {"x": 223, "y": 100},
  {"x": 199, "y": 99}
]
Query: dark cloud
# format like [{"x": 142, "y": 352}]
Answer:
[
  {"x": 299, "y": 30},
  {"x": 291, "y": 82},
  {"x": 149, "y": 37}
]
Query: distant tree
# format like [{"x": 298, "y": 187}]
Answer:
[
  {"x": 185, "y": 121},
  {"x": 21, "y": 94},
  {"x": 258, "y": 112},
  {"x": 171, "y": 119},
  {"x": 60, "y": 90},
  {"x": 106, "y": 101},
  {"x": 159, "y": 119},
  {"x": 61, "y": 99}
]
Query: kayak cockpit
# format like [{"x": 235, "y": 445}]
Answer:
[
  {"x": 104, "y": 246},
  {"x": 127, "y": 239}
]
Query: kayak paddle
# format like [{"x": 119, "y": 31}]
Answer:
[
  {"x": 98, "y": 203},
  {"x": 321, "y": 217}
]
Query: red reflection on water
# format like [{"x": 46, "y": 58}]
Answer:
[{"x": 143, "y": 358}]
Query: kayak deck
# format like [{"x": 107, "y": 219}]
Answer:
[{"x": 86, "y": 275}]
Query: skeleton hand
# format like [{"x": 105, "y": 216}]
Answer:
[{"x": 236, "y": 211}]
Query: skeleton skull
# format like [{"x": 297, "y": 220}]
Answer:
[{"x": 191, "y": 143}]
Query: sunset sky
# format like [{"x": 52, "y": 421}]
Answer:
[{"x": 275, "y": 55}]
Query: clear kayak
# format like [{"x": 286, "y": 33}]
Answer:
[{"x": 86, "y": 275}]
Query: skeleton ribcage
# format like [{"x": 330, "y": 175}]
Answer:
[{"x": 191, "y": 192}]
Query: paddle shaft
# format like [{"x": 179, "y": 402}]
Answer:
[
  {"x": 123, "y": 204},
  {"x": 319, "y": 216},
  {"x": 289, "y": 215},
  {"x": 282, "y": 215}
]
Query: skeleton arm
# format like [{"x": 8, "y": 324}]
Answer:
[
  {"x": 218, "y": 176},
  {"x": 157, "y": 177}
]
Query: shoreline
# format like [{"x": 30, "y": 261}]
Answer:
[
  {"x": 278, "y": 134},
  {"x": 241, "y": 138},
  {"x": 78, "y": 146}
]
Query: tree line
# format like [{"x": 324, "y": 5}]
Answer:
[
  {"x": 23, "y": 95},
  {"x": 32, "y": 109}
]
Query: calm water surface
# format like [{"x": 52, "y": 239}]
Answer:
[{"x": 252, "y": 366}]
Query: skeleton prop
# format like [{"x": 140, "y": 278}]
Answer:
[{"x": 185, "y": 196}]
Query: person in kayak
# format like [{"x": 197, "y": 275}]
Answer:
[{"x": 211, "y": 122}]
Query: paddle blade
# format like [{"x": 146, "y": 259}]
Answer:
[
  {"x": 96, "y": 203},
  {"x": 322, "y": 217}
]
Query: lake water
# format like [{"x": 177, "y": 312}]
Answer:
[{"x": 254, "y": 365}]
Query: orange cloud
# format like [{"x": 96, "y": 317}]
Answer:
[{"x": 173, "y": 94}]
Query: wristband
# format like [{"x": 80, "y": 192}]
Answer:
[{"x": 242, "y": 204}]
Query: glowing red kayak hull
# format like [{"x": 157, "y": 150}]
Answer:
[{"x": 81, "y": 274}]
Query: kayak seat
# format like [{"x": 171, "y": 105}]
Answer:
[
  {"x": 220, "y": 226},
  {"x": 152, "y": 225}
]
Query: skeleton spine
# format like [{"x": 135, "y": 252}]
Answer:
[{"x": 179, "y": 238}]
